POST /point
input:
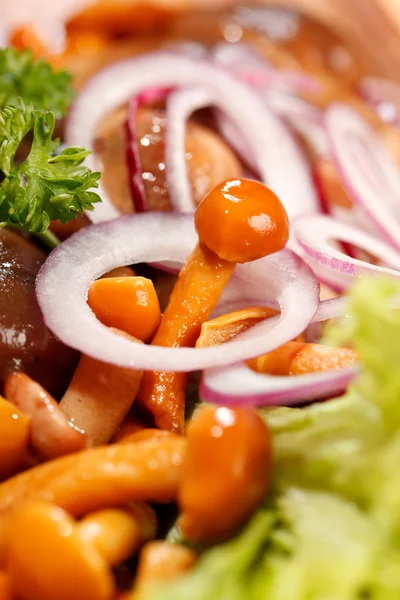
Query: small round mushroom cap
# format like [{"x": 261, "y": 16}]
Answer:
[
  {"x": 242, "y": 220},
  {"x": 48, "y": 560}
]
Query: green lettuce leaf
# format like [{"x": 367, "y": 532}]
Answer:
[
  {"x": 329, "y": 550},
  {"x": 224, "y": 572}
]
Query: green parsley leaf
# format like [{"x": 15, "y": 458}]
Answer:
[
  {"x": 44, "y": 187},
  {"x": 35, "y": 81}
]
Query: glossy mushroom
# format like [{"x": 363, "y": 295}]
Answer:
[
  {"x": 226, "y": 471},
  {"x": 239, "y": 221},
  {"x": 52, "y": 433}
]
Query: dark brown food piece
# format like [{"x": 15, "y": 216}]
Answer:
[{"x": 26, "y": 344}]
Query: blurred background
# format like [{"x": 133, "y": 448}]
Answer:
[{"x": 369, "y": 27}]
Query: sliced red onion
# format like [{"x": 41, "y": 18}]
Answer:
[
  {"x": 317, "y": 233},
  {"x": 235, "y": 298},
  {"x": 368, "y": 172},
  {"x": 303, "y": 117},
  {"x": 147, "y": 96},
  {"x": 271, "y": 144},
  {"x": 240, "y": 57},
  {"x": 252, "y": 67},
  {"x": 337, "y": 280},
  {"x": 194, "y": 49},
  {"x": 155, "y": 237},
  {"x": 238, "y": 385},
  {"x": 228, "y": 130},
  {"x": 384, "y": 95},
  {"x": 180, "y": 105},
  {"x": 4, "y": 36},
  {"x": 330, "y": 309}
]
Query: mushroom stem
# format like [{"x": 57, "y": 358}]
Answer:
[
  {"x": 117, "y": 533},
  {"x": 99, "y": 397},
  {"x": 47, "y": 558},
  {"x": 195, "y": 295},
  {"x": 52, "y": 433},
  {"x": 101, "y": 477},
  {"x": 69, "y": 552},
  {"x": 14, "y": 438}
]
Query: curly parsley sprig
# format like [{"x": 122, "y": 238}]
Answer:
[
  {"x": 33, "y": 80},
  {"x": 45, "y": 186}
]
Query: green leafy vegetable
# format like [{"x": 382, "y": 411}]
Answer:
[
  {"x": 224, "y": 572},
  {"x": 44, "y": 186},
  {"x": 331, "y": 530},
  {"x": 22, "y": 76}
]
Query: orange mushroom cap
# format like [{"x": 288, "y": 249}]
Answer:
[
  {"x": 48, "y": 559},
  {"x": 225, "y": 472},
  {"x": 127, "y": 303},
  {"x": 242, "y": 220}
]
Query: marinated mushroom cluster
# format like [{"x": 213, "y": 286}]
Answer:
[{"x": 199, "y": 248}]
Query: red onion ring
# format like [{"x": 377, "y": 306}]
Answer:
[
  {"x": 315, "y": 234},
  {"x": 238, "y": 385},
  {"x": 272, "y": 145},
  {"x": 194, "y": 49},
  {"x": 155, "y": 237},
  {"x": 333, "y": 278},
  {"x": 368, "y": 172},
  {"x": 180, "y": 105},
  {"x": 235, "y": 298},
  {"x": 304, "y": 118},
  {"x": 384, "y": 96},
  {"x": 330, "y": 309},
  {"x": 251, "y": 66},
  {"x": 229, "y": 131}
]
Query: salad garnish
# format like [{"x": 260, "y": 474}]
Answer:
[
  {"x": 44, "y": 186},
  {"x": 34, "y": 80}
]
